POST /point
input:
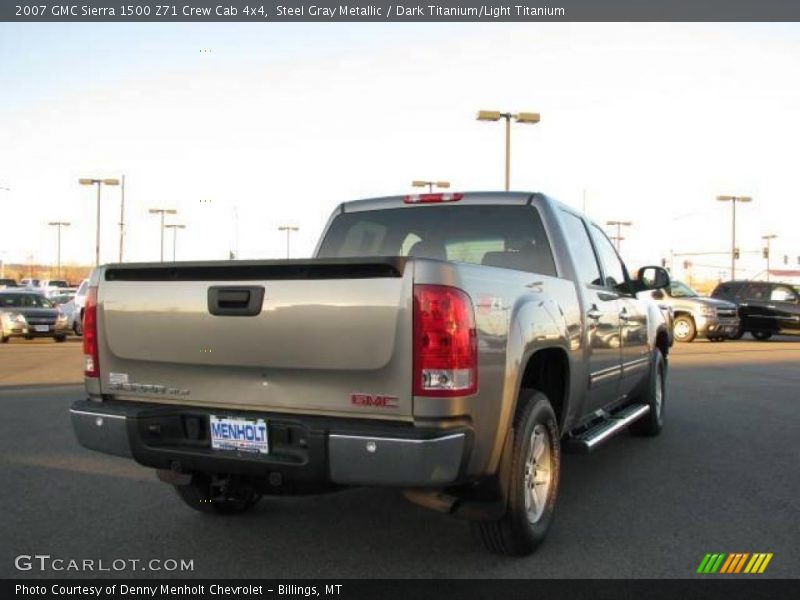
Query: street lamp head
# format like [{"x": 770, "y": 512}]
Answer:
[
  {"x": 528, "y": 117},
  {"x": 770, "y": 236},
  {"x": 288, "y": 228},
  {"x": 87, "y": 181},
  {"x": 417, "y": 183},
  {"x": 734, "y": 198},
  {"x": 62, "y": 223},
  {"x": 489, "y": 115},
  {"x": 111, "y": 181},
  {"x": 443, "y": 184}
]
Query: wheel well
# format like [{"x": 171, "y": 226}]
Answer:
[
  {"x": 548, "y": 371},
  {"x": 684, "y": 313}
]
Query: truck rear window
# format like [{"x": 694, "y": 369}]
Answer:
[{"x": 511, "y": 237}]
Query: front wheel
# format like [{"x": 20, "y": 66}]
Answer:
[
  {"x": 737, "y": 335},
  {"x": 684, "y": 329},
  {"x": 655, "y": 397},
  {"x": 761, "y": 336},
  {"x": 535, "y": 467},
  {"x": 218, "y": 495}
]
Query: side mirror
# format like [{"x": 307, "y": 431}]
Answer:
[{"x": 652, "y": 278}]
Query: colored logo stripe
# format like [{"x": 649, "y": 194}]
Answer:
[{"x": 734, "y": 562}]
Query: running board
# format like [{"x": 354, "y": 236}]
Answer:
[{"x": 606, "y": 429}]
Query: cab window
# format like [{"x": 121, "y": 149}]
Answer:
[{"x": 614, "y": 272}]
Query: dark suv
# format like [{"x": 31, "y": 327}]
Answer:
[{"x": 766, "y": 308}]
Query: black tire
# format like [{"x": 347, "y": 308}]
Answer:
[
  {"x": 4, "y": 339},
  {"x": 60, "y": 338},
  {"x": 76, "y": 329},
  {"x": 683, "y": 329},
  {"x": 515, "y": 534},
  {"x": 218, "y": 495},
  {"x": 761, "y": 336},
  {"x": 737, "y": 335},
  {"x": 655, "y": 396}
]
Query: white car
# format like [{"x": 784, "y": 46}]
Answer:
[{"x": 74, "y": 308}]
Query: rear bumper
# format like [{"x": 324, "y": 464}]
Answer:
[{"x": 302, "y": 449}]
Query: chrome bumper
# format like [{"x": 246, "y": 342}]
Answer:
[
  {"x": 102, "y": 431},
  {"x": 343, "y": 458},
  {"x": 364, "y": 460}
]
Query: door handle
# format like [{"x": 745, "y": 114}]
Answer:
[{"x": 594, "y": 313}]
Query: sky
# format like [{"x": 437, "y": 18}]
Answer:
[{"x": 242, "y": 128}]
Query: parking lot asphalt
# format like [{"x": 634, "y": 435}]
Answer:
[{"x": 722, "y": 477}]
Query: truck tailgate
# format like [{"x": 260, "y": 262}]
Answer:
[{"x": 330, "y": 338}]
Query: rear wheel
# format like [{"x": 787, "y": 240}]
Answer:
[
  {"x": 218, "y": 494},
  {"x": 761, "y": 336},
  {"x": 535, "y": 466},
  {"x": 684, "y": 329}
]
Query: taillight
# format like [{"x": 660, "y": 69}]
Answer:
[
  {"x": 445, "y": 342},
  {"x": 432, "y": 198},
  {"x": 90, "y": 348}
]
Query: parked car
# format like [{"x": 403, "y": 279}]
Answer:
[
  {"x": 765, "y": 308},
  {"x": 28, "y": 314},
  {"x": 60, "y": 293},
  {"x": 695, "y": 315},
  {"x": 29, "y": 283},
  {"x": 7, "y": 283},
  {"x": 443, "y": 344},
  {"x": 75, "y": 308}
]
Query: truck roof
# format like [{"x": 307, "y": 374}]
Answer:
[{"x": 508, "y": 198}]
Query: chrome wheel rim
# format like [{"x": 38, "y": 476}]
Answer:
[
  {"x": 681, "y": 329},
  {"x": 538, "y": 473}
]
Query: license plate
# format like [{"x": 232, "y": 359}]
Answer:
[
  {"x": 41, "y": 328},
  {"x": 243, "y": 435}
]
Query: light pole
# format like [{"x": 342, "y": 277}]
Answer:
[
  {"x": 121, "y": 217},
  {"x": 496, "y": 115},
  {"x": 59, "y": 225},
  {"x": 162, "y": 212},
  {"x": 174, "y": 227},
  {"x": 619, "y": 224},
  {"x": 733, "y": 200},
  {"x": 99, "y": 183},
  {"x": 430, "y": 184},
  {"x": 768, "y": 238},
  {"x": 288, "y": 229}
]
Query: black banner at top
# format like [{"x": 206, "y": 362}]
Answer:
[{"x": 265, "y": 11}]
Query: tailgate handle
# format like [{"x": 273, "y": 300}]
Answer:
[{"x": 235, "y": 301}]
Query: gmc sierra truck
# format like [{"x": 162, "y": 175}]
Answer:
[{"x": 448, "y": 345}]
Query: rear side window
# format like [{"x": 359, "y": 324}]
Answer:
[
  {"x": 510, "y": 237},
  {"x": 782, "y": 293},
  {"x": 581, "y": 248}
]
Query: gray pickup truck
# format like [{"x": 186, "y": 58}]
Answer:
[{"x": 449, "y": 345}]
